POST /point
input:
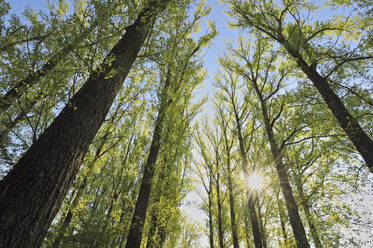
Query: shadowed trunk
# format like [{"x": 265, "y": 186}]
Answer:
[
  {"x": 307, "y": 211},
  {"x": 211, "y": 230},
  {"x": 282, "y": 219},
  {"x": 360, "y": 139},
  {"x": 231, "y": 205},
  {"x": 291, "y": 205},
  {"x": 251, "y": 203},
  {"x": 138, "y": 219},
  {"x": 220, "y": 218},
  {"x": 32, "y": 192}
]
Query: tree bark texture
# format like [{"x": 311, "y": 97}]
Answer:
[{"x": 32, "y": 192}]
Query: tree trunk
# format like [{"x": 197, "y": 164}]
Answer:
[
  {"x": 261, "y": 225},
  {"x": 32, "y": 192},
  {"x": 307, "y": 212},
  {"x": 282, "y": 218},
  {"x": 231, "y": 205},
  {"x": 138, "y": 218},
  {"x": 254, "y": 221},
  {"x": 220, "y": 218},
  {"x": 361, "y": 140},
  {"x": 291, "y": 205},
  {"x": 211, "y": 230},
  {"x": 251, "y": 203}
]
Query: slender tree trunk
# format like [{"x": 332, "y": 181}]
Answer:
[
  {"x": 261, "y": 225},
  {"x": 33, "y": 78},
  {"x": 32, "y": 192},
  {"x": 220, "y": 218},
  {"x": 307, "y": 212},
  {"x": 211, "y": 227},
  {"x": 254, "y": 221},
  {"x": 291, "y": 205},
  {"x": 232, "y": 208},
  {"x": 251, "y": 203},
  {"x": 361, "y": 140},
  {"x": 138, "y": 219},
  {"x": 282, "y": 219}
]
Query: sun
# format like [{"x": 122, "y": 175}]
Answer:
[{"x": 256, "y": 181}]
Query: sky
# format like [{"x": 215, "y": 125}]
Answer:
[{"x": 217, "y": 48}]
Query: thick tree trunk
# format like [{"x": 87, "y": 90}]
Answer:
[
  {"x": 138, "y": 218},
  {"x": 291, "y": 205},
  {"x": 361, "y": 140},
  {"x": 33, "y": 78},
  {"x": 32, "y": 192}
]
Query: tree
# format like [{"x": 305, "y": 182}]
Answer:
[
  {"x": 262, "y": 79},
  {"x": 33, "y": 190},
  {"x": 285, "y": 24}
]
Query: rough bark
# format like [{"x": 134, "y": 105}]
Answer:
[
  {"x": 32, "y": 192},
  {"x": 360, "y": 139}
]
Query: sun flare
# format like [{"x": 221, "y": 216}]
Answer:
[{"x": 256, "y": 181}]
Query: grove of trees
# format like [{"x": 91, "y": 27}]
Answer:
[{"x": 107, "y": 141}]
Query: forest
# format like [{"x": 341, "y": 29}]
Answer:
[{"x": 186, "y": 123}]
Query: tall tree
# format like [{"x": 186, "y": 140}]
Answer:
[
  {"x": 265, "y": 82},
  {"x": 176, "y": 73},
  {"x": 33, "y": 190},
  {"x": 284, "y": 22}
]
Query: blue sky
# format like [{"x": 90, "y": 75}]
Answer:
[{"x": 219, "y": 44}]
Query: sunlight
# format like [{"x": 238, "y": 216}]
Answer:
[{"x": 256, "y": 181}]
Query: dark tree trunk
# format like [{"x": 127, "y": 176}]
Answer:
[
  {"x": 211, "y": 227},
  {"x": 254, "y": 221},
  {"x": 261, "y": 225},
  {"x": 282, "y": 219},
  {"x": 138, "y": 219},
  {"x": 361, "y": 140},
  {"x": 251, "y": 200},
  {"x": 307, "y": 211},
  {"x": 232, "y": 208},
  {"x": 220, "y": 218},
  {"x": 32, "y": 192},
  {"x": 291, "y": 205}
]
